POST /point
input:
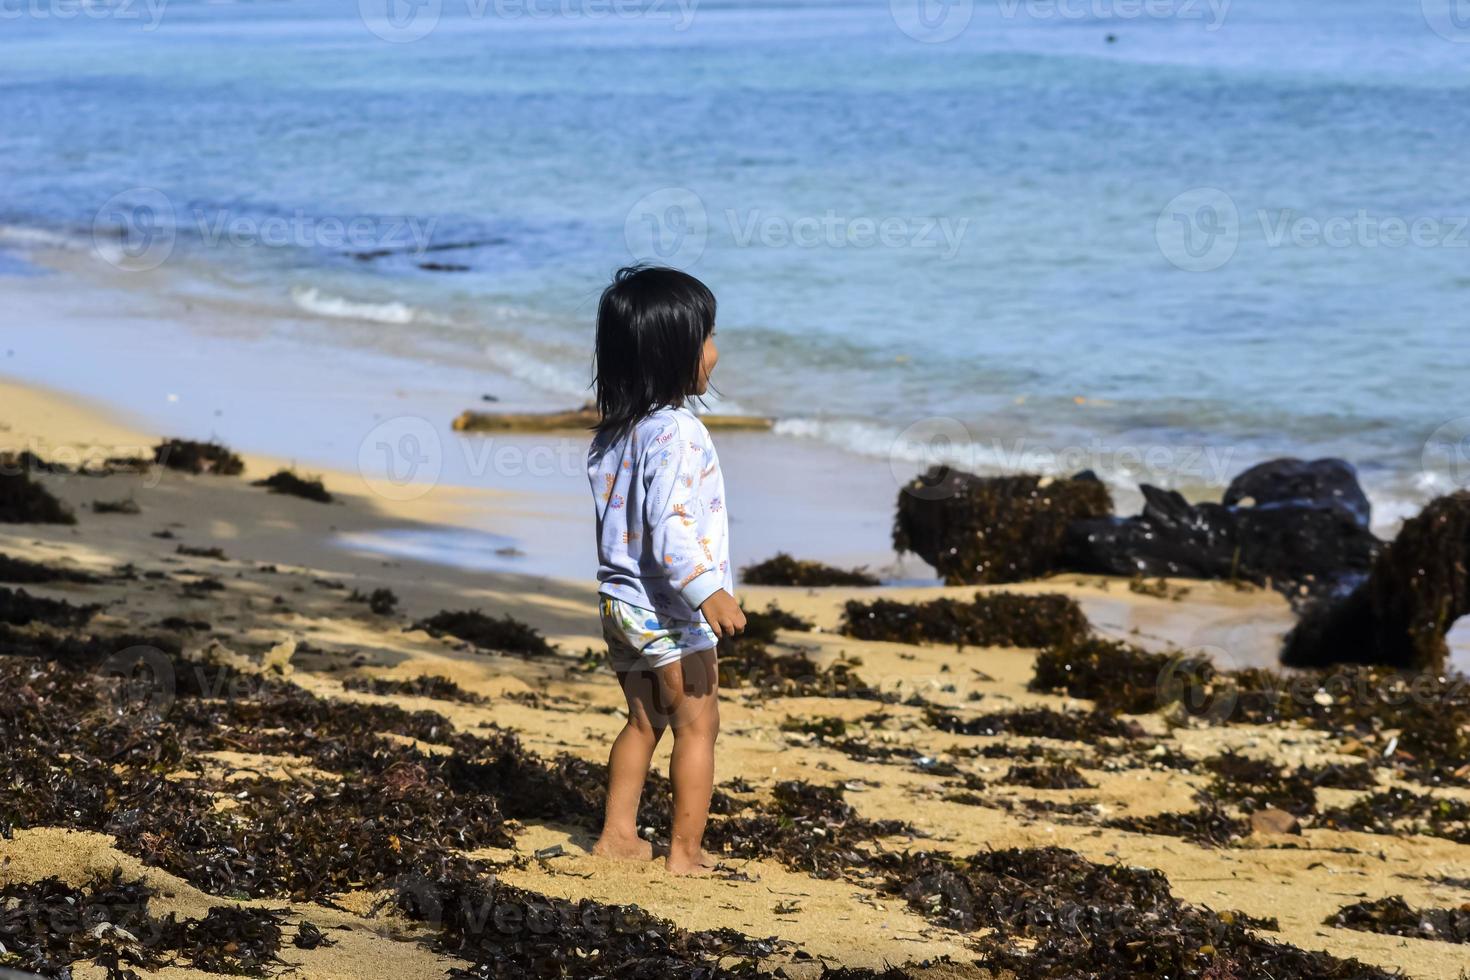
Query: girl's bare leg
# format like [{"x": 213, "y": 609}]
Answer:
[
  {"x": 689, "y": 691},
  {"x": 627, "y": 768}
]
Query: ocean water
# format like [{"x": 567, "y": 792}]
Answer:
[{"x": 1163, "y": 239}]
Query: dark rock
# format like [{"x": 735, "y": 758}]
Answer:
[
  {"x": 1327, "y": 483},
  {"x": 979, "y": 530},
  {"x": 1291, "y": 545},
  {"x": 1419, "y": 586}
]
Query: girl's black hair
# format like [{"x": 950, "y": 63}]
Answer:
[{"x": 651, "y": 326}]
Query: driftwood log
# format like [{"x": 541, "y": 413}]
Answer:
[{"x": 582, "y": 419}]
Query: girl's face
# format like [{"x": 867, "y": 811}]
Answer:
[{"x": 708, "y": 358}]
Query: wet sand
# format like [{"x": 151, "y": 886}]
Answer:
[{"x": 839, "y": 922}]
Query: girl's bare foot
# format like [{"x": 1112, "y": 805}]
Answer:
[
  {"x": 623, "y": 848},
  {"x": 680, "y": 864}
]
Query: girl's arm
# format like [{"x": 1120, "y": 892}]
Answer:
[{"x": 676, "y": 519}]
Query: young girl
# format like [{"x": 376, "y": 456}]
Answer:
[{"x": 665, "y": 584}]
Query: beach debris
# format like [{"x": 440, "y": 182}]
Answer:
[
  {"x": 24, "y": 501},
  {"x": 189, "y": 456},
  {"x": 762, "y": 624},
  {"x": 1315, "y": 543},
  {"x": 127, "y": 505},
  {"x": 582, "y": 419},
  {"x": 309, "y": 936},
  {"x": 48, "y": 925},
  {"x": 782, "y": 569},
  {"x": 425, "y": 686},
  {"x": 984, "y": 530},
  {"x": 1392, "y": 916},
  {"x": 382, "y": 602},
  {"x": 1057, "y": 775},
  {"x": 1037, "y": 722},
  {"x": 1159, "y": 588},
  {"x": 287, "y": 482},
  {"x": 1209, "y": 825},
  {"x": 234, "y": 940},
  {"x": 1258, "y": 784},
  {"x": 1399, "y": 811},
  {"x": 508, "y": 932},
  {"x": 746, "y": 663},
  {"x": 21, "y": 571},
  {"x": 1050, "y": 914},
  {"x": 806, "y": 827},
  {"x": 1117, "y": 676},
  {"x": 504, "y": 635},
  {"x": 1419, "y": 585},
  {"x": 990, "y": 619},
  {"x": 218, "y": 554},
  {"x": 20, "y": 608}
]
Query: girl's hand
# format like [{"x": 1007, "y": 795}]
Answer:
[{"x": 723, "y": 614}]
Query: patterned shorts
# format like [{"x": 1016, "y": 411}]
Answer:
[{"x": 642, "y": 637}]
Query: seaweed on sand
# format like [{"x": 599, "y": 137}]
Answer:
[
  {"x": 984, "y": 530},
  {"x": 1254, "y": 784},
  {"x": 1419, "y": 585},
  {"x": 509, "y": 932},
  {"x": 995, "y": 619},
  {"x": 1392, "y": 916},
  {"x": 24, "y": 501},
  {"x": 287, "y": 482},
  {"x": 1058, "y": 775},
  {"x": 745, "y": 662},
  {"x": 1398, "y": 811},
  {"x": 189, "y": 456},
  {"x": 1209, "y": 825},
  {"x": 1117, "y": 676},
  {"x": 1070, "y": 726},
  {"x": 506, "y": 634},
  {"x": 48, "y": 925},
  {"x": 20, "y": 608},
  {"x": 808, "y": 828},
  {"x": 1079, "y": 919},
  {"x": 782, "y": 569},
  {"x": 425, "y": 686},
  {"x": 762, "y": 624},
  {"x": 382, "y": 602},
  {"x": 234, "y": 940},
  {"x": 20, "y": 571}
]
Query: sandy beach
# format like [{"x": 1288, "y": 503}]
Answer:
[{"x": 285, "y": 582}]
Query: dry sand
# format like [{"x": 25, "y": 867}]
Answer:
[{"x": 1299, "y": 880}]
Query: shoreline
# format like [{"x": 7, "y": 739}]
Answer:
[
  {"x": 254, "y": 387},
  {"x": 284, "y": 586}
]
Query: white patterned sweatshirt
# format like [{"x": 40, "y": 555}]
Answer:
[{"x": 662, "y": 531}]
